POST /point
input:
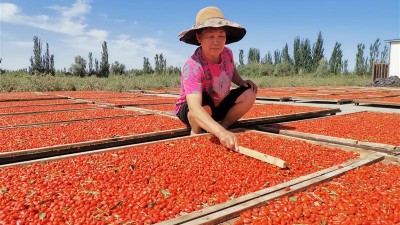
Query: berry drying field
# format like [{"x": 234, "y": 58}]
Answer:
[{"x": 188, "y": 179}]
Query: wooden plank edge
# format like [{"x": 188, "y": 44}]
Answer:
[
  {"x": 136, "y": 91},
  {"x": 265, "y": 98},
  {"x": 263, "y": 157},
  {"x": 354, "y": 149},
  {"x": 48, "y": 111},
  {"x": 238, "y": 201},
  {"x": 318, "y": 137},
  {"x": 284, "y": 118},
  {"x": 31, "y": 99},
  {"x": 52, "y": 104},
  {"x": 236, "y": 210},
  {"x": 378, "y": 103},
  {"x": 7, "y": 158},
  {"x": 385, "y": 148},
  {"x": 322, "y": 100},
  {"x": 153, "y": 111},
  {"x": 66, "y": 121}
]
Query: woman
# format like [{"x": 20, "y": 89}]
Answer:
[{"x": 206, "y": 101}]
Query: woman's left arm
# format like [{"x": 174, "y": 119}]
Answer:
[{"x": 237, "y": 79}]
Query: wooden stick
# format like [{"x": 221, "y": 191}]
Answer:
[{"x": 263, "y": 157}]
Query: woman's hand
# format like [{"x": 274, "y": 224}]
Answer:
[
  {"x": 252, "y": 85},
  {"x": 229, "y": 141}
]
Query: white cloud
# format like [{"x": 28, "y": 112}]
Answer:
[
  {"x": 22, "y": 44},
  {"x": 77, "y": 38},
  {"x": 70, "y": 20},
  {"x": 78, "y": 9}
]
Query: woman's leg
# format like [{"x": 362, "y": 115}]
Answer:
[{"x": 242, "y": 105}]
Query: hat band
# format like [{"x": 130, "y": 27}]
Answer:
[{"x": 214, "y": 22}]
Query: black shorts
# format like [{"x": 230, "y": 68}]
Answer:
[{"x": 217, "y": 113}]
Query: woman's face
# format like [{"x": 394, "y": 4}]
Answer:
[{"x": 212, "y": 41}]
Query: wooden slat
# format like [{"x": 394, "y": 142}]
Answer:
[
  {"x": 37, "y": 153},
  {"x": 48, "y": 111},
  {"x": 68, "y": 121},
  {"x": 385, "y": 148},
  {"x": 310, "y": 99},
  {"x": 282, "y": 99},
  {"x": 309, "y": 136},
  {"x": 283, "y": 118},
  {"x": 376, "y": 102},
  {"x": 31, "y": 99},
  {"x": 263, "y": 157}
]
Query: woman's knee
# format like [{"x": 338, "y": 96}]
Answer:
[{"x": 247, "y": 96}]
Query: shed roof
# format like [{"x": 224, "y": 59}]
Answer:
[{"x": 393, "y": 40}]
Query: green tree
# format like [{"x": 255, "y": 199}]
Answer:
[
  {"x": 360, "y": 67},
  {"x": 322, "y": 68},
  {"x": 305, "y": 56},
  {"x": 1, "y": 70},
  {"x": 173, "y": 70},
  {"x": 36, "y": 60},
  {"x": 104, "y": 65},
  {"x": 79, "y": 67},
  {"x": 277, "y": 57},
  {"x": 90, "y": 64},
  {"x": 147, "y": 69},
  {"x": 156, "y": 64},
  {"x": 373, "y": 54},
  {"x": 285, "y": 55},
  {"x": 384, "y": 54},
  {"x": 282, "y": 69},
  {"x": 241, "y": 57},
  {"x": 163, "y": 63},
  {"x": 268, "y": 59},
  {"x": 160, "y": 64},
  {"x": 253, "y": 56},
  {"x": 296, "y": 54},
  {"x": 345, "y": 65},
  {"x": 317, "y": 52},
  {"x": 96, "y": 67},
  {"x": 335, "y": 62},
  {"x": 46, "y": 60},
  {"x": 52, "y": 68},
  {"x": 118, "y": 68}
]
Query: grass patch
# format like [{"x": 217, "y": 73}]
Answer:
[{"x": 19, "y": 82}]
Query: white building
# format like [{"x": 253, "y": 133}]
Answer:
[{"x": 394, "y": 57}]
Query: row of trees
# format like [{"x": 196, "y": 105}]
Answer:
[
  {"x": 79, "y": 67},
  {"x": 306, "y": 58},
  {"x": 100, "y": 69},
  {"x": 309, "y": 58}
]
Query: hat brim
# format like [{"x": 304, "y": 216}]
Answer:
[{"x": 234, "y": 32}]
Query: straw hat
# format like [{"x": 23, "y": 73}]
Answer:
[{"x": 212, "y": 17}]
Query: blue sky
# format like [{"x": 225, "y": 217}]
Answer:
[{"x": 137, "y": 29}]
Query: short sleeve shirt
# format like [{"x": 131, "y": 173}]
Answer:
[{"x": 201, "y": 75}]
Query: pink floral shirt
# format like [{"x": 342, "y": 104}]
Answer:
[{"x": 200, "y": 75}]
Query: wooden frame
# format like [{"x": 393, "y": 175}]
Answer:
[
  {"x": 379, "y": 147},
  {"x": 228, "y": 210}
]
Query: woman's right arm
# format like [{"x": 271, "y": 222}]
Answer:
[{"x": 204, "y": 120}]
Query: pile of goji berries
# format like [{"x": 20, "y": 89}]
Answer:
[
  {"x": 367, "y": 195},
  {"x": 363, "y": 126},
  {"x": 152, "y": 182}
]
